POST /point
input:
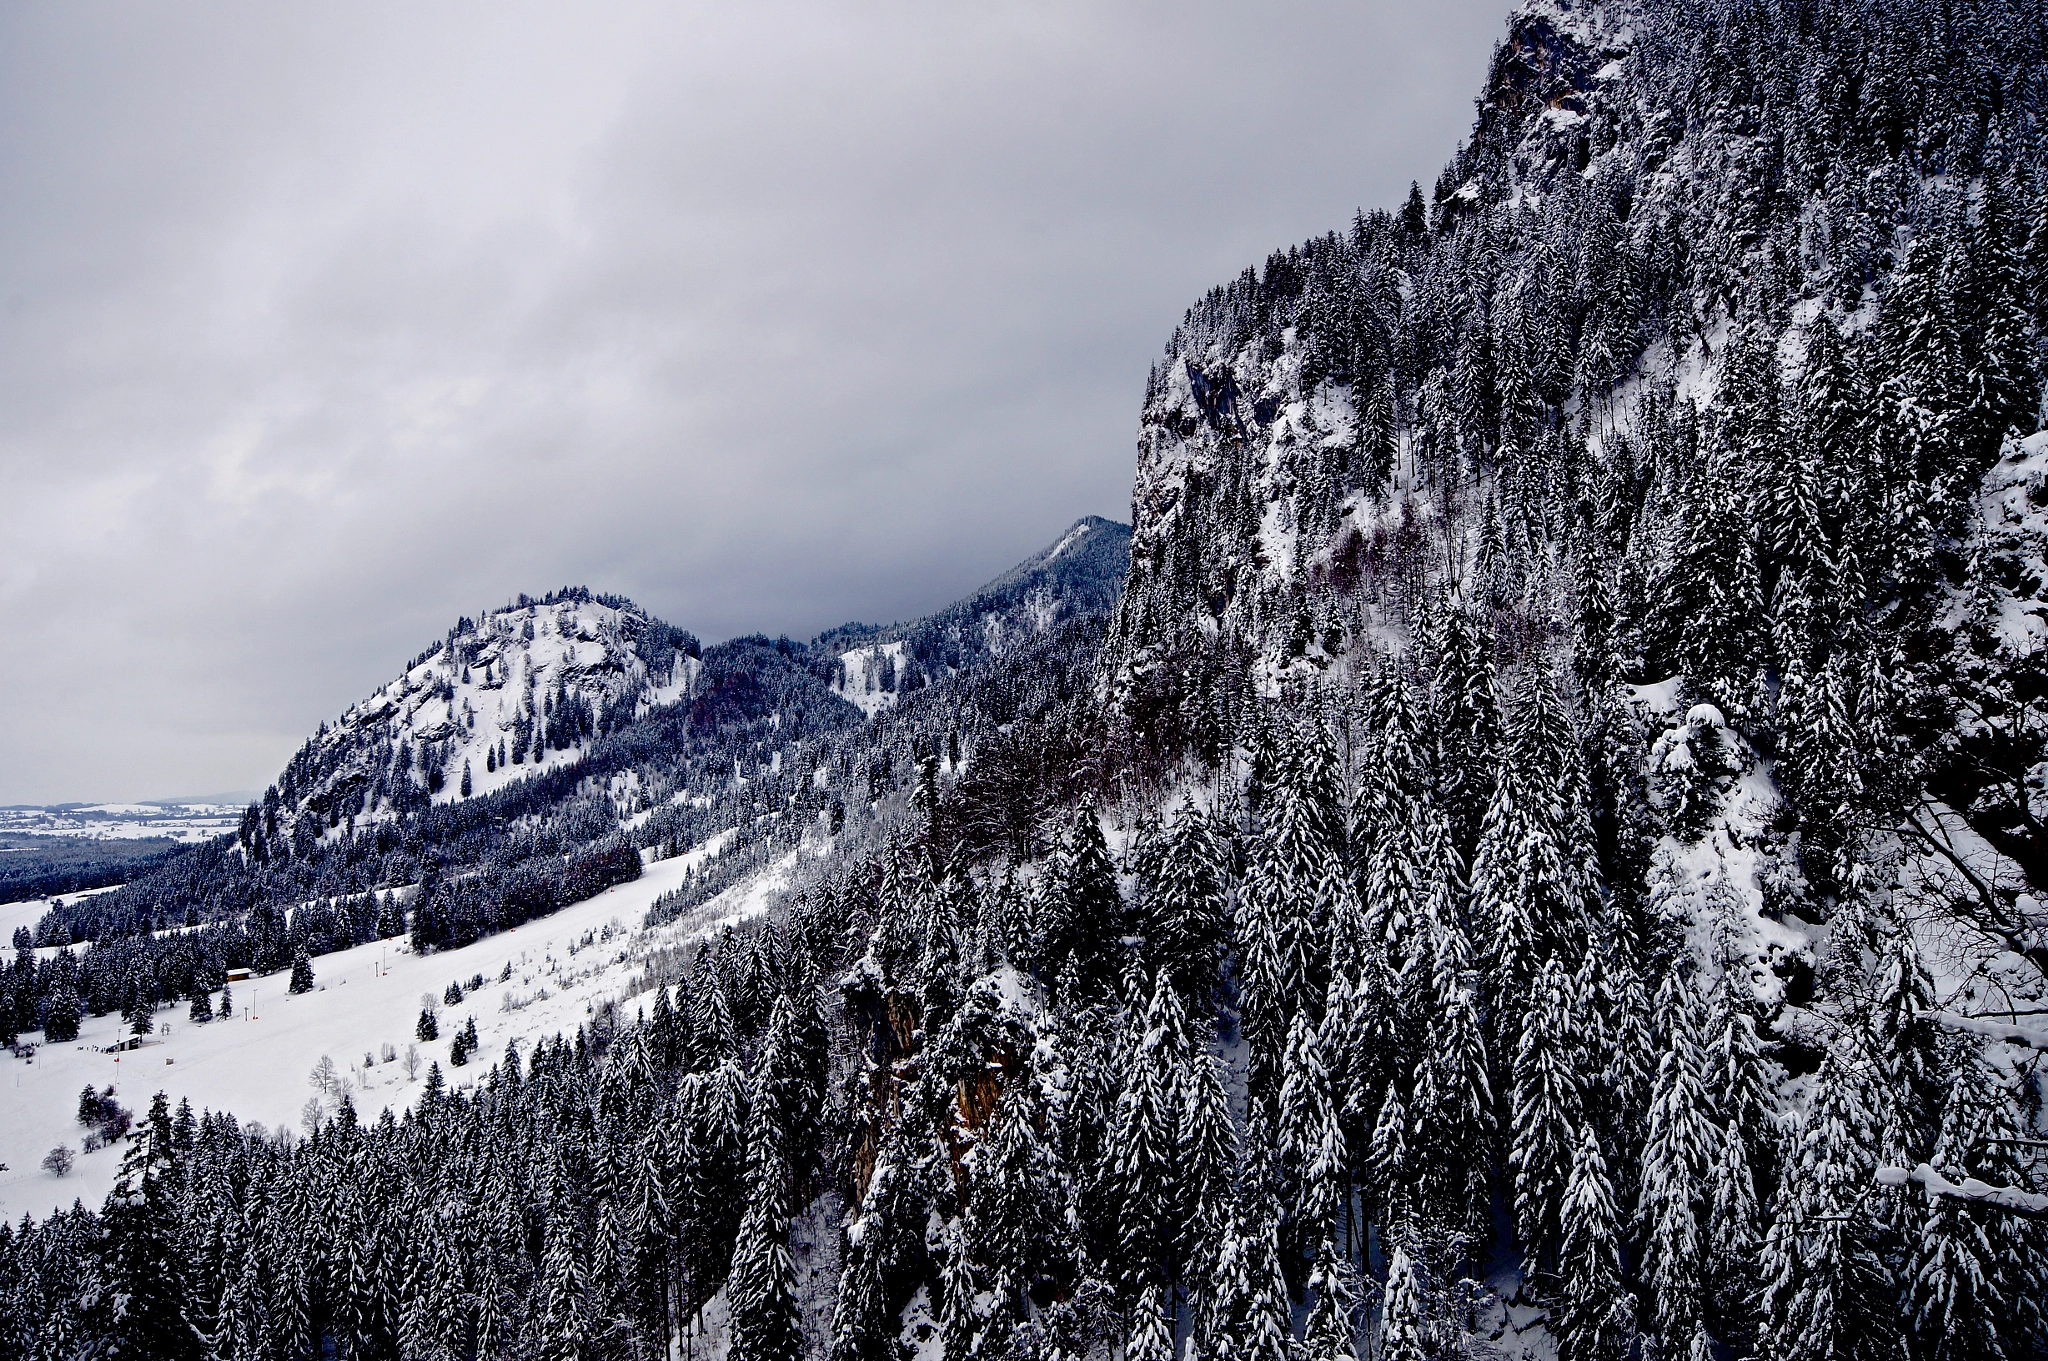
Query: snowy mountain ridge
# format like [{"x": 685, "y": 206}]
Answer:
[
  {"x": 519, "y": 690},
  {"x": 1077, "y": 576}
]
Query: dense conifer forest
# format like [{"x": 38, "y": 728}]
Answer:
[{"x": 1540, "y": 858}]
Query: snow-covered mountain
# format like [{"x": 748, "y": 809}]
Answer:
[
  {"x": 1077, "y": 576},
  {"x": 516, "y": 691}
]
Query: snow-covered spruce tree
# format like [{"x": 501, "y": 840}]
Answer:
[
  {"x": 1016, "y": 1224},
  {"x": 1923, "y": 398},
  {"x": 1548, "y": 1108},
  {"x": 1913, "y": 1068},
  {"x": 1188, "y": 927},
  {"x": 1713, "y": 596},
  {"x": 1825, "y": 1293},
  {"x": 1310, "y": 1143},
  {"x": 1263, "y": 989},
  {"x": 1739, "y": 1077},
  {"x": 1676, "y": 1167},
  {"x": 1387, "y": 1179},
  {"x": 138, "y": 1013},
  {"x": 1079, "y": 909},
  {"x": 766, "y": 1325},
  {"x": 1453, "y": 1087},
  {"x": 1834, "y": 411},
  {"x": 302, "y": 973},
  {"x": 138, "y": 1303},
  {"x": 712, "y": 1126},
  {"x": 1302, "y": 861},
  {"x": 1619, "y": 1036},
  {"x": 1691, "y": 767},
  {"x": 1818, "y": 765},
  {"x": 1149, "y": 1233},
  {"x": 1331, "y": 1333},
  {"x": 788, "y": 1087},
  {"x": 563, "y": 1331},
  {"x": 1250, "y": 1313},
  {"x": 863, "y": 1326},
  {"x": 60, "y": 1015},
  {"x": 1530, "y": 877},
  {"x": 1398, "y": 801},
  {"x": 959, "y": 1320},
  {"x": 1151, "y": 1335},
  {"x": 1404, "y": 1331},
  {"x": 1205, "y": 1155},
  {"x": 1595, "y": 1319},
  {"x": 1974, "y": 1274},
  {"x": 1469, "y": 723}
]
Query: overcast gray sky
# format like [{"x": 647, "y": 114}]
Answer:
[{"x": 321, "y": 324}]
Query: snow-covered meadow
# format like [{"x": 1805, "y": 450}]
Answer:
[
  {"x": 185, "y": 822},
  {"x": 366, "y": 1002}
]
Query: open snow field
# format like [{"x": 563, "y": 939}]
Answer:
[
  {"x": 188, "y": 822},
  {"x": 29, "y": 911},
  {"x": 258, "y": 1063}
]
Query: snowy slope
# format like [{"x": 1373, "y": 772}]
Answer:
[
  {"x": 256, "y": 1065},
  {"x": 495, "y": 688},
  {"x": 867, "y": 676}
]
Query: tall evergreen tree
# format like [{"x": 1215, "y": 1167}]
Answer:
[
  {"x": 1453, "y": 1088},
  {"x": 1080, "y": 910},
  {"x": 1596, "y": 1318},
  {"x": 1142, "y": 1143},
  {"x": 1974, "y": 1274},
  {"x": 1404, "y": 1331},
  {"x": 1677, "y": 1160},
  {"x": 1468, "y": 703},
  {"x": 1331, "y": 1334},
  {"x": 766, "y": 1325},
  {"x": 563, "y": 1329},
  {"x": 1310, "y": 1142},
  {"x": 141, "y": 1306},
  {"x": 1826, "y": 1294},
  {"x": 302, "y": 973},
  {"x": 1548, "y": 1108},
  {"x": 1016, "y": 1203},
  {"x": 1189, "y": 926}
]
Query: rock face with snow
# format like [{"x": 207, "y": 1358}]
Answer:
[
  {"x": 1288, "y": 439},
  {"x": 520, "y": 690},
  {"x": 1685, "y": 372}
]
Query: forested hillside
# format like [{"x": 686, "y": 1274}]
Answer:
[{"x": 1541, "y": 859}]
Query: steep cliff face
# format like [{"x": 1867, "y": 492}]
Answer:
[
  {"x": 1281, "y": 500},
  {"x": 1703, "y": 384},
  {"x": 1532, "y": 391}
]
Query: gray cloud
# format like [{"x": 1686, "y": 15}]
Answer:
[{"x": 320, "y": 325}]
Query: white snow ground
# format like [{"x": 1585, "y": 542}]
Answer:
[
  {"x": 29, "y": 911},
  {"x": 866, "y": 668},
  {"x": 257, "y": 1064}
]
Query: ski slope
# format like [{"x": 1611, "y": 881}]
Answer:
[{"x": 258, "y": 1063}]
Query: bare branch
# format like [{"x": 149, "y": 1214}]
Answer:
[
  {"x": 2006, "y": 1198},
  {"x": 1992, "y": 1030}
]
